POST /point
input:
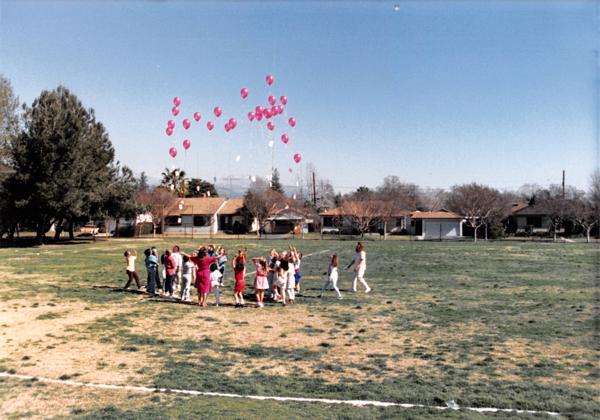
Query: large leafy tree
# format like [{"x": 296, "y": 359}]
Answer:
[
  {"x": 275, "y": 183},
  {"x": 175, "y": 180},
  {"x": 62, "y": 162},
  {"x": 201, "y": 188},
  {"x": 9, "y": 118}
]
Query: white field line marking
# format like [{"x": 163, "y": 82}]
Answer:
[
  {"x": 304, "y": 256},
  {"x": 355, "y": 403}
]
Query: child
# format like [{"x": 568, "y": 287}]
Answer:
[
  {"x": 171, "y": 271},
  {"x": 331, "y": 276},
  {"x": 222, "y": 261},
  {"x": 282, "y": 275},
  {"x": 188, "y": 275},
  {"x": 151, "y": 268},
  {"x": 260, "y": 283},
  {"x": 272, "y": 275},
  {"x": 239, "y": 270},
  {"x": 297, "y": 273},
  {"x": 290, "y": 280},
  {"x": 179, "y": 270},
  {"x": 154, "y": 252},
  {"x": 130, "y": 270},
  {"x": 216, "y": 282}
]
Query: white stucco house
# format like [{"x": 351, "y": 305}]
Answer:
[
  {"x": 441, "y": 224},
  {"x": 198, "y": 215}
]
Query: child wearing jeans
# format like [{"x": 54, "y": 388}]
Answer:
[
  {"x": 331, "y": 276},
  {"x": 216, "y": 282},
  {"x": 131, "y": 274},
  {"x": 188, "y": 271}
]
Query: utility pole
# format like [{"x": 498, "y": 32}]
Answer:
[
  {"x": 314, "y": 190},
  {"x": 563, "y": 185}
]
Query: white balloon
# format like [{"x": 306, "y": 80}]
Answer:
[
  {"x": 253, "y": 178},
  {"x": 271, "y": 143},
  {"x": 237, "y": 158}
]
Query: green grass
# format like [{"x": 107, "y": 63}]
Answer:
[{"x": 502, "y": 324}]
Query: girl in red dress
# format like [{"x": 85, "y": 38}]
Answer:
[
  {"x": 239, "y": 272},
  {"x": 203, "y": 263}
]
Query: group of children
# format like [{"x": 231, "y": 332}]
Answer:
[{"x": 277, "y": 278}]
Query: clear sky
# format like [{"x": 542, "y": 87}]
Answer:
[{"x": 437, "y": 93}]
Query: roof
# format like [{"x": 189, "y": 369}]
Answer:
[
  {"x": 534, "y": 210},
  {"x": 440, "y": 214},
  {"x": 196, "y": 206},
  {"x": 517, "y": 206},
  {"x": 233, "y": 206},
  {"x": 339, "y": 211}
]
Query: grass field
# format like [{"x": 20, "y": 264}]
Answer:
[{"x": 502, "y": 324}]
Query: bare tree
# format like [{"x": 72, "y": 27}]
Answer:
[
  {"x": 262, "y": 203},
  {"x": 158, "y": 202},
  {"x": 403, "y": 195},
  {"x": 478, "y": 204},
  {"x": 559, "y": 205},
  {"x": 585, "y": 215},
  {"x": 432, "y": 198},
  {"x": 362, "y": 214}
]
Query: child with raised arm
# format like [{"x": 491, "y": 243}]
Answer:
[
  {"x": 239, "y": 272},
  {"x": 297, "y": 273},
  {"x": 360, "y": 266},
  {"x": 331, "y": 276},
  {"x": 130, "y": 257},
  {"x": 260, "y": 283}
]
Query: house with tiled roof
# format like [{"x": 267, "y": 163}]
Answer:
[
  {"x": 195, "y": 215},
  {"x": 441, "y": 224}
]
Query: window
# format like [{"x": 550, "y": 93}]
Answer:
[
  {"x": 534, "y": 221},
  {"x": 201, "y": 221},
  {"x": 172, "y": 220}
]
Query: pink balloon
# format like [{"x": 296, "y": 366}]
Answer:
[
  {"x": 297, "y": 157},
  {"x": 186, "y": 123},
  {"x": 285, "y": 138},
  {"x": 173, "y": 152},
  {"x": 292, "y": 122},
  {"x": 267, "y": 113},
  {"x": 171, "y": 124},
  {"x": 269, "y": 79},
  {"x": 251, "y": 116},
  {"x": 210, "y": 125},
  {"x": 217, "y": 111},
  {"x": 186, "y": 144},
  {"x": 175, "y": 111},
  {"x": 176, "y": 101},
  {"x": 271, "y": 100},
  {"x": 258, "y": 108},
  {"x": 280, "y": 109},
  {"x": 274, "y": 110},
  {"x": 283, "y": 100},
  {"x": 227, "y": 127},
  {"x": 258, "y": 116},
  {"x": 169, "y": 131},
  {"x": 197, "y": 116},
  {"x": 244, "y": 93},
  {"x": 271, "y": 126}
]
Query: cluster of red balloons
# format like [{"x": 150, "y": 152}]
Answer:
[{"x": 273, "y": 110}]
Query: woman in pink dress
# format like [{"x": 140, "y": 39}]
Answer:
[{"x": 203, "y": 262}]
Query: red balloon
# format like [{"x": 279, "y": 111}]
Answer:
[
  {"x": 175, "y": 111},
  {"x": 171, "y": 124},
  {"x": 271, "y": 99},
  {"x": 297, "y": 157},
  {"x": 292, "y": 122},
  {"x": 244, "y": 93},
  {"x": 169, "y": 131},
  {"x": 173, "y": 152},
  {"x": 197, "y": 116},
  {"x": 217, "y": 111},
  {"x": 283, "y": 100},
  {"x": 186, "y": 123},
  {"x": 176, "y": 101},
  {"x": 271, "y": 126},
  {"x": 285, "y": 138},
  {"x": 269, "y": 79},
  {"x": 251, "y": 116},
  {"x": 186, "y": 144},
  {"x": 210, "y": 125}
]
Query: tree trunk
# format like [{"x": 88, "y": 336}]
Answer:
[
  {"x": 153, "y": 230},
  {"x": 71, "y": 230},
  {"x": 554, "y": 233},
  {"x": 58, "y": 230},
  {"x": 486, "y": 232},
  {"x": 117, "y": 226},
  {"x": 40, "y": 232},
  {"x": 587, "y": 232},
  {"x": 384, "y": 230},
  {"x": 475, "y": 233}
]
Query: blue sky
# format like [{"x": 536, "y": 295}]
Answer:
[{"x": 437, "y": 93}]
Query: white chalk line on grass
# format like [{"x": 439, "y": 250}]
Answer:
[{"x": 355, "y": 403}]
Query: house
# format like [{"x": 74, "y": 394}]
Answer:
[
  {"x": 287, "y": 220},
  {"x": 197, "y": 215},
  {"x": 342, "y": 219},
  {"x": 441, "y": 224},
  {"x": 232, "y": 218},
  {"x": 529, "y": 219}
]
